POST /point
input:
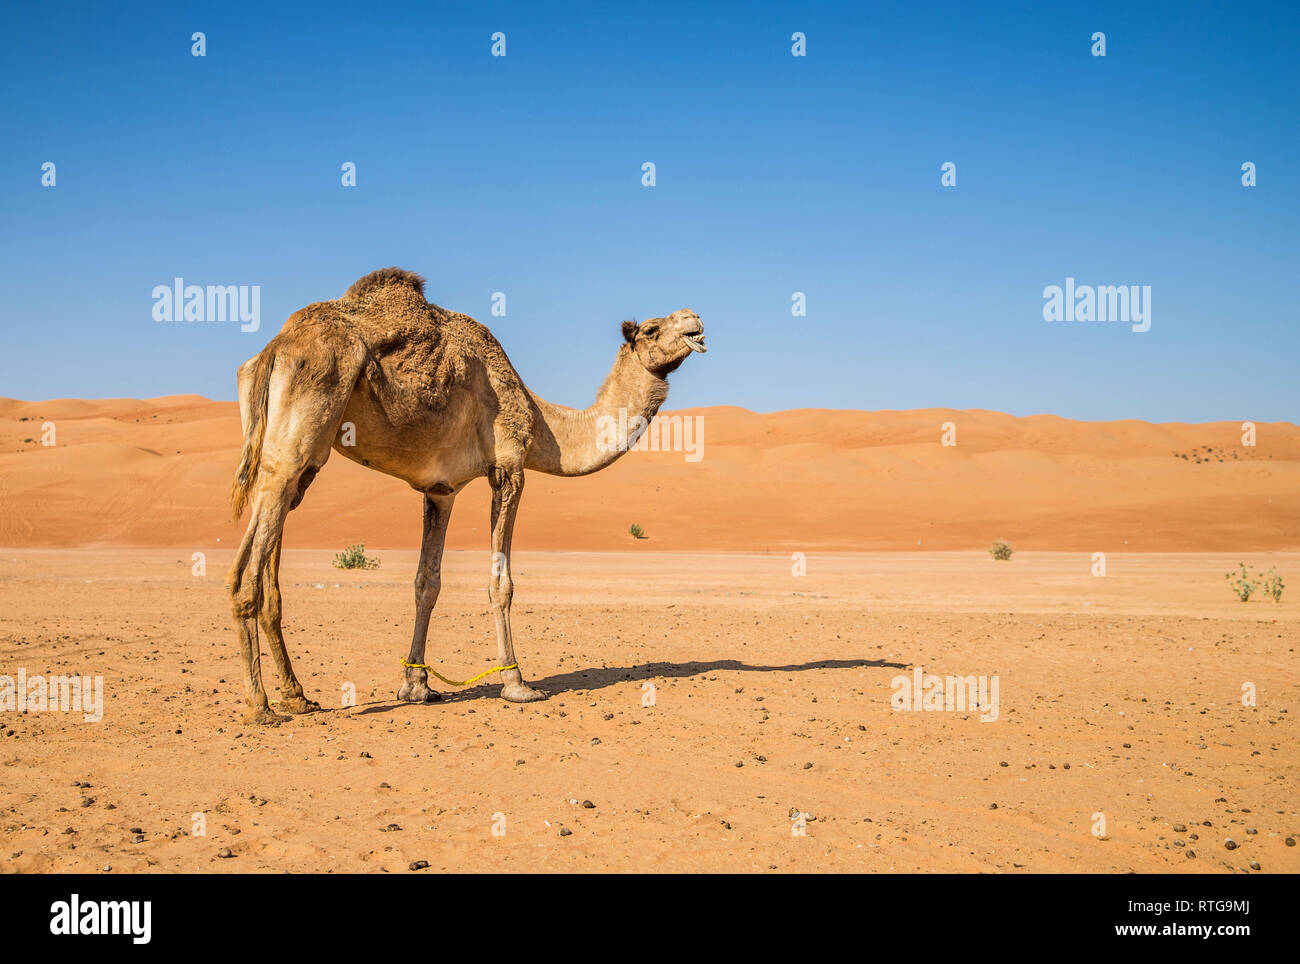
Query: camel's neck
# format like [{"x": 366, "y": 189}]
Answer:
[{"x": 567, "y": 441}]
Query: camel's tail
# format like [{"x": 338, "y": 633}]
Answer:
[{"x": 254, "y": 432}]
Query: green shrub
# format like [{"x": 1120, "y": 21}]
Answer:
[
  {"x": 1001, "y": 550},
  {"x": 354, "y": 557},
  {"x": 1273, "y": 585},
  {"x": 1241, "y": 583},
  {"x": 637, "y": 531}
]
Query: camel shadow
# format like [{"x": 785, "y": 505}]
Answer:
[
  {"x": 595, "y": 679},
  {"x": 586, "y": 680}
]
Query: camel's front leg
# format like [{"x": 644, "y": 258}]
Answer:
[
  {"x": 428, "y": 580},
  {"x": 507, "y": 487}
]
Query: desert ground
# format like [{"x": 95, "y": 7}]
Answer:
[
  {"x": 704, "y": 693},
  {"x": 1119, "y": 695}
]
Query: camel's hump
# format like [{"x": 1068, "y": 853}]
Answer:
[{"x": 383, "y": 278}]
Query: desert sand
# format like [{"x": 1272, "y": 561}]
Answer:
[
  {"x": 1118, "y": 695},
  {"x": 1121, "y": 743},
  {"x": 157, "y": 473}
]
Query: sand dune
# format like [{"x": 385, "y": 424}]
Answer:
[{"x": 156, "y": 472}]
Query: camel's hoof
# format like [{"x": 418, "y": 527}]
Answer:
[
  {"x": 418, "y": 693},
  {"x": 264, "y": 717},
  {"x": 298, "y": 704},
  {"x": 521, "y": 693}
]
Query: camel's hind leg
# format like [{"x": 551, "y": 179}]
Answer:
[
  {"x": 247, "y": 580},
  {"x": 301, "y": 423},
  {"x": 292, "y": 699}
]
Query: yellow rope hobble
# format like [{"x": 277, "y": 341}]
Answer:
[{"x": 452, "y": 682}]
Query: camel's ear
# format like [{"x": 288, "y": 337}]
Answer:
[{"x": 629, "y": 331}]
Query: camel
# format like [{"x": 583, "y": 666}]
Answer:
[{"x": 426, "y": 395}]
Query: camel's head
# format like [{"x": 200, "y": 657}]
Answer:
[{"x": 661, "y": 344}]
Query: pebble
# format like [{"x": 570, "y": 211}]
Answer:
[
  {"x": 1180, "y": 828},
  {"x": 588, "y": 804},
  {"x": 224, "y": 853},
  {"x": 1230, "y": 844},
  {"x": 566, "y": 832},
  {"x": 1254, "y": 865},
  {"x": 1290, "y": 841},
  {"x": 418, "y": 865}
]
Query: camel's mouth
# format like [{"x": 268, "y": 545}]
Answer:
[{"x": 695, "y": 342}]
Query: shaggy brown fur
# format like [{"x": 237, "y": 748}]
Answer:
[{"x": 381, "y": 278}]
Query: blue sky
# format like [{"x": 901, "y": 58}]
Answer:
[{"x": 775, "y": 174}]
